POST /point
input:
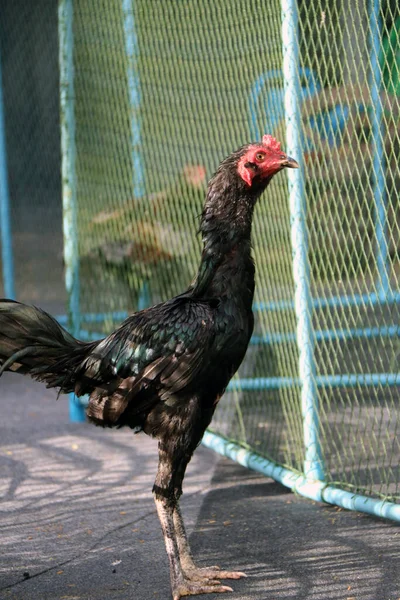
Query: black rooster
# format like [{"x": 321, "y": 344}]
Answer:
[{"x": 165, "y": 368}]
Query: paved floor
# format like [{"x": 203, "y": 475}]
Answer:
[{"x": 76, "y": 514}]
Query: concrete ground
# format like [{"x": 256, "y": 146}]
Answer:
[{"x": 77, "y": 519}]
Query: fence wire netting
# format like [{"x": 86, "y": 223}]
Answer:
[{"x": 161, "y": 92}]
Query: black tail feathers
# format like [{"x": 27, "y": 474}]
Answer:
[{"x": 34, "y": 343}]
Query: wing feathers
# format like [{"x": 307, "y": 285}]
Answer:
[{"x": 153, "y": 355}]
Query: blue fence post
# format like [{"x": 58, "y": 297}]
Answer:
[
  {"x": 132, "y": 54},
  {"x": 313, "y": 467},
  {"x": 378, "y": 165},
  {"x": 68, "y": 170},
  {"x": 5, "y": 221}
]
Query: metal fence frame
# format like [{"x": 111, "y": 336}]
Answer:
[
  {"x": 5, "y": 223},
  {"x": 311, "y": 482}
]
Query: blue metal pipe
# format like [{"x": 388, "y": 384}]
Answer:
[
  {"x": 301, "y": 272},
  {"x": 68, "y": 168},
  {"x": 144, "y": 296},
  {"x": 298, "y": 483},
  {"x": 329, "y": 335},
  {"x": 320, "y": 381},
  {"x": 5, "y": 220},
  {"x": 132, "y": 53},
  {"x": 378, "y": 171},
  {"x": 345, "y": 301}
]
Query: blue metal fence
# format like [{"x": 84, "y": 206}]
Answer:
[
  {"x": 5, "y": 222},
  {"x": 292, "y": 94}
]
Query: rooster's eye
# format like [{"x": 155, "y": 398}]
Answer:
[{"x": 260, "y": 156}]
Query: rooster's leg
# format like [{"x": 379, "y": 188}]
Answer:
[
  {"x": 181, "y": 584},
  {"x": 192, "y": 571},
  {"x": 167, "y": 490}
]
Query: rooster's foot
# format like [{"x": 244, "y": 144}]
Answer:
[
  {"x": 204, "y": 580},
  {"x": 212, "y": 574},
  {"x": 189, "y": 587}
]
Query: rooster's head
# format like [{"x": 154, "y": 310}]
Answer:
[
  {"x": 259, "y": 162},
  {"x": 238, "y": 183}
]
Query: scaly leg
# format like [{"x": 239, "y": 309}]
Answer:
[
  {"x": 212, "y": 574},
  {"x": 181, "y": 584},
  {"x": 167, "y": 489}
]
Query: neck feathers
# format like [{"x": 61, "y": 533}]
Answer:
[{"x": 226, "y": 231}]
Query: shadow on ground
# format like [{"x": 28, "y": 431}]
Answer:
[{"x": 76, "y": 514}]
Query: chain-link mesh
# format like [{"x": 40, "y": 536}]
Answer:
[
  {"x": 161, "y": 93},
  {"x": 351, "y": 131}
]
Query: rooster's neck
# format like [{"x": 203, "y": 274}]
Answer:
[{"x": 226, "y": 266}]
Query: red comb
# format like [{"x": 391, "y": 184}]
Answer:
[{"x": 271, "y": 143}]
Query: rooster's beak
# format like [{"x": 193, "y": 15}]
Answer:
[{"x": 290, "y": 163}]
